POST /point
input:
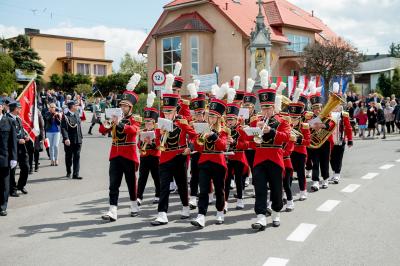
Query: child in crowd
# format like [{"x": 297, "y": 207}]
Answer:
[{"x": 362, "y": 121}]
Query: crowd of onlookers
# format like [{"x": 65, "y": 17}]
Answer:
[{"x": 373, "y": 115}]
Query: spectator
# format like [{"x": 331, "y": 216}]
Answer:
[
  {"x": 381, "y": 120},
  {"x": 362, "y": 118},
  {"x": 372, "y": 113},
  {"x": 350, "y": 110},
  {"x": 397, "y": 115},
  {"x": 389, "y": 116},
  {"x": 96, "y": 118},
  {"x": 392, "y": 123},
  {"x": 53, "y": 122}
]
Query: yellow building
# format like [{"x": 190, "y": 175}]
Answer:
[{"x": 62, "y": 54}]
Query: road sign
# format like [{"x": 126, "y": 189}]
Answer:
[{"x": 158, "y": 78}]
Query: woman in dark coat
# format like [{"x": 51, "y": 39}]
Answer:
[{"x": 372, "y": 114}]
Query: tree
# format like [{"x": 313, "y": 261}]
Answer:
[
  {"x": 83, "y": 88},
  {"x": 394, "y": 50},
  {"x": 396, "y": 82},
  {"x": 130, "y": 65},
  {"x": 56, "y": 81},
  {"x": 330, "y": 59},
  {"x": 8, "y": 82},
  {"x": 384, "y": 85},
  {"x": 23, "y": 55},
  {"x": 70, "y": 81}
]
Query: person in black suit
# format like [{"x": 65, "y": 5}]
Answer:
[
  {"x": 71, "y": 132},
  {"x": 22, "y": 139},
  {"x": 8, "y": 157}
]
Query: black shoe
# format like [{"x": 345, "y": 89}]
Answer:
[
  {"x": 30, "y": 171},
  {"x": 157, "y": 223},
  {"x": 107, "y": 218},
  {"x": 3, "y": 213},
  {"x": 259, "y": 227},
  {"x": 134, "y": 214},
  {"x": 76, "y": 177},
  {"x": 24, "y": 191},
  {"x": 276, "y": 223},
  {"x": 14, "y": 194},
  {"x": 90, "y": 133},
  {"x": 36, "y": 169},
  {"x": 68, "y": 175}
]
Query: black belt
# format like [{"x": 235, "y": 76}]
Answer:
[
  {"x": 124, "y": 144},
  {"x": 177, "y": 148},
  {"x": 212, "y": 152}
]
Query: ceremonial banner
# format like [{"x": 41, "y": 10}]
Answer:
[
  {"x": 292, "y": 82},
  {"x": 206, "y": 81},
  {"x": 29, "y": 111}
]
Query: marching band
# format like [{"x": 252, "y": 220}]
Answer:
[{"x": 224, "y": 140}]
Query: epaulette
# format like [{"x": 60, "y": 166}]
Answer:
[
  {"x": 185, "y": 102},
  {"x": 305, "y": 125},
  {"x": 183, "y": 121},
  {"x": 138, "y": 118},
  {"x": 285, "y": 117},
  {"x": 345, "y": 114}
]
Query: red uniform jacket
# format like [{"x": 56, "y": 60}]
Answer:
[
  {"x": 176, "y": 141},
  {"x": 213, "y": 148},
  {"x": 124, "y": 139},
  {"x": 288, "y": 147},
  {"x": 239, "y": 146},
  {"x": 152, "y": 148},
  {"x": 253, "y": 123},
  {"x": 184, "y": 110},
  {"x": 271, "y": 147},
  {"x": 345, "y": 127},
  {"x": 302, "y": 143}
]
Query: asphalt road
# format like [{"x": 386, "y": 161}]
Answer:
[{"x": 58, "y": 222}]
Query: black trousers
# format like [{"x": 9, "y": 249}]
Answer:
[
  {"x": 31, "y": 152},
  {"x": 337, "y": 157},
  {"x": 270, "y": 173},
  {"x": 149, "y": 164},
  {"x": 194, "y": 169},
  {"x": 4, "y": 187},
  {"x": 23, "y": 162},
  {"x": 309, "y": 161},
  {"x": 210, "y": 171},
  {"x": 93, "y": 124},
  {"x": 298, "y": 162},
  {"x": 120, "y": 166},
  {"x": 173, "y": 169},
  {"x": 235, "y": 171},
  {"x": 250, "y": 158},
  {"x": 320, "y": 160},
  {"x": 72, "y": 157},
  {"x": 287, "y": 183}
]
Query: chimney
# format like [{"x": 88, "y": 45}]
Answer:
[
  {"x": 31, "y": 31},
  {"x": 312, "y": 13},
  {"x": 226, "y": 5}
]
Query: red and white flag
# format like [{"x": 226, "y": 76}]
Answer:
[
  {"x": 292, "y": 81},
  {"x": 29, "y": 111}
]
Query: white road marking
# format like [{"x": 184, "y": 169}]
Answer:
[
  {"x": 328, "y": 205},
  {"x": 386, "y": 166},
  {"x": 271, "y": 261},
  {"x": 351, "y": 188},
  {"x": 301, "y": 233},
  {"x": 369, "y": 176}
]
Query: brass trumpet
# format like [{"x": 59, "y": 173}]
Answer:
[
  {"x": 163, "y": 141},
  {"x": 202, "y": 138},
  {"x": 143, "y": 149},
  {"x": 258, "y": 138},
  {"x": 108, "y": 124}
]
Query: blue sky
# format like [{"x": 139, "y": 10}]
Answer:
[{"x": 369, "y": 25}]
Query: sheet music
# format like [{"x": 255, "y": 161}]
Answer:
[
  {"x": 165, "y": 124},
  {"x": 252, "y": 131},
  {"x": 110, "y": 112},
  {"x": 145, "y": 134},
  {"x": 314, "y": 121},
  {"x": 244, "y": 112},
  {"x": 201, "y": 128}
]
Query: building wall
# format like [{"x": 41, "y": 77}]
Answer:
[
  {"x": 91, "y": 63},
  {"x": 50, "y": 49}
]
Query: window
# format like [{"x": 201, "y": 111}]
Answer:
[
  {"x": 194, "y": 46},
  {"x": 99, "y": 70},
  {"x": 83, "y": 69},
  {"x": 68, "y": 48},
  {"x": 171, "y": 53},
  {"x": 297, "y": 42}
]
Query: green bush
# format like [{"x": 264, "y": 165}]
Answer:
[
  {"x": 83, "y": 88},
  {"x": 141, "y": 104}
]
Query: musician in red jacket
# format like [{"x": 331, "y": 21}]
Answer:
[
  {"x": 342, "y": 134},
  {"x": 268, "y": 160},
  {"x": 149, "y": 154},
  {"x": 174, "y": 151},
  {"x": 123, "y": 155},
  {"x": 212, "y": 164},
  {"x": 237, "y": 161},
  {"x": 299, "y": 153}
]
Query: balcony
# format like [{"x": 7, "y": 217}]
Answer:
[{"x": 286, "y": 53}]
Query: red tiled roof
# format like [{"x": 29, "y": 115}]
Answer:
[
  {"x": 242, "y": 15},
  {"x": 186, "y": 22}
]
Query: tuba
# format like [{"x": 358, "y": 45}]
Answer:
[{"x": 318, "y": 137}]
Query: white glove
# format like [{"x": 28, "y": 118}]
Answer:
[{"x": 13, "y": 164}]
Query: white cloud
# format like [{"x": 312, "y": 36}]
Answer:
[{"x": 118, "y": 40}]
